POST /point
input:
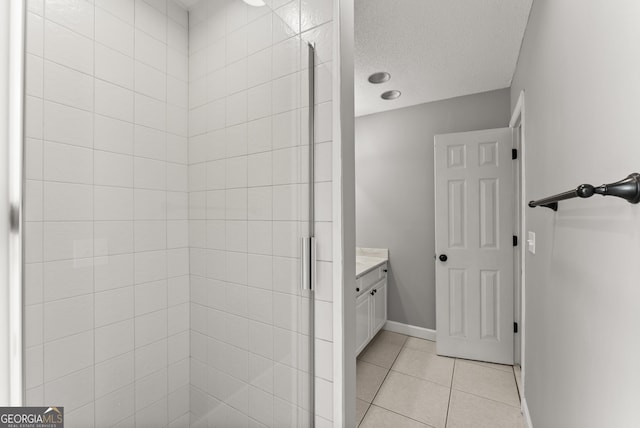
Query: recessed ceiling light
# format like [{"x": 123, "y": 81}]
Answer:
[
  {"x": 255, "y": 3},
  {"x": 391, "y": 95},
  {"x": 380, "y": 77}
]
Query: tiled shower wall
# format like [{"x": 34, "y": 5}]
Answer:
[
  {"x": 108, "y": 216},
  {"x": 247, "y": 168},
  {"x": 107, "y": 283}
]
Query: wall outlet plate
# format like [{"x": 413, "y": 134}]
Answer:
[{"x": 531, "y": 242}]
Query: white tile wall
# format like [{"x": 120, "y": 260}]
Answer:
[
  {"x": 163, "y": 168},
  {"x": 67, "y": 125},
  {"x": 107, "y": 274}
]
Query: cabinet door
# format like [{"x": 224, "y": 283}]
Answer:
[
  {"x": 363, "y": 321},
  {"x": 379, "y": 305}
]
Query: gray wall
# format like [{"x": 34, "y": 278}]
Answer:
[
  {"x": 580, "y": 69},
  {"x": 394, "y": 190}
]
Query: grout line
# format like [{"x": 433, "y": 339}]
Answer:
[
  {"x": 456, "y": 360},
  {"x": 268, "y": 150},
  {"x": 368, "y": 407},
  {"x": 453, "y": 373},
  {"x": 403, "y": 415},
  {"x": 485, "y": 364},
  {"x": 374, "y": 364},
  {"x": 365, "y": 412},
  {"x": 400, "y": 414},
  {"x": 485, "y": 397},
  {"x": 42, "y": 234},
  {"x": 133, "y": 233},
  {"x": 93, "y": 220},
  {"x": 166, "y": 209},
  {"x": 489, "y": 399},
  {"x": 389, "y": 410},
  {"x": 385, "y": 376},
  {"x": 515, "y": 378}
]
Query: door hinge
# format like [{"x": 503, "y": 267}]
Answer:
[
  {"x": 514, "y": 153},
  {"x": 515, "y": 241},
  {"x": 515, "y": 327}
]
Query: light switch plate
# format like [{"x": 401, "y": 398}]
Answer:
[{"x": 531, "y": 242}]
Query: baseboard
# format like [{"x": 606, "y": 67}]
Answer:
[
  {"x": 525, "y": 413},
  {"x": 410, "y": 330}
]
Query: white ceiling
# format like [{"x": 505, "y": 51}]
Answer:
[{"x": 435, "y": 49}]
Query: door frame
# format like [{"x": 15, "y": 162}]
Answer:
[
  {"x": 12, "y": 125},
  {"x": 344, "y": 219},
  {"x": 517, "y": 123}
]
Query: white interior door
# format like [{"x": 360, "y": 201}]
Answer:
[{"x": 474, "y": 245}]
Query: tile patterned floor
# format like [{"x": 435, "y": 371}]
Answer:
[{"x": 402, "y": 383}]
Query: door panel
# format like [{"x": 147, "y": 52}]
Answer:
[
  {"x": 489, "y": 213},
  {"x": 363, "y": 319},
  {"x": 457, "y": 302},
  {"x": 474, "y": 228},
  {"x": 457, "y": 213},
  {"x": 379, "y": 306},
  {"x": 489, "y": 298}
]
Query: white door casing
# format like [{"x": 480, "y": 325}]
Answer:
[{"x": 474, "y": 229}]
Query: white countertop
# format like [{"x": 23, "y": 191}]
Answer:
[{"x": 368, "y": 259}]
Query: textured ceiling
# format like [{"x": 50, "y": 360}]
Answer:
[{"x": 435, "y": 49}]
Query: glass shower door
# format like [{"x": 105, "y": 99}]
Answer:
[
  {"x": 252, "y": 360},
  {"x": 167, "y": 190}
]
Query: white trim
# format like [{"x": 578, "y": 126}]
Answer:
[
  {"x": 518, "y": 117},
  {"x": 517, "y": 110},
  {"x": 16, "y": 153},
  {"x": 410, "y": 330},
  {"x": 12, "y": 53},
  {"x": 343, "y": 216},
  {"x": 5, "y": 328},
  {"x": 525, "y": 413}
]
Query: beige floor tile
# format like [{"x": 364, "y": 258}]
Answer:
[
  {"x": 418, "y": 399},
  {"x": 383, "y": 349},
  {"x": 424, "y": 365},
  {"x": 361, "y": 409},
  {"x": 486, "y": 382},
  {"x": 470, "y": 411},
  {"x": 420, "y": 345},
  {"x": 378, "y": 417},
  {"x": 391, "y": 337},
  {"x": 369, "y": 377},
  {"x": 503, "y": 367}
]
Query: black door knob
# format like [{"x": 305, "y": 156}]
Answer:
[{"x": 443, "y": 257}]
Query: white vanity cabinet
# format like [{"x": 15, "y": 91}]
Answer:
[{"x": 371, "y": 305}]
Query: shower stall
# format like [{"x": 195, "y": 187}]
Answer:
[{"x": 176, "y": 155}]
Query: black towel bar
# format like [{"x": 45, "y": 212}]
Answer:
[{"x": 628, "y": 189}]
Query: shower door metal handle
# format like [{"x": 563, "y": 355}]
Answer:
[
  {"x": 308, "y": 251},
  {"x": 308, "y": 263}
]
